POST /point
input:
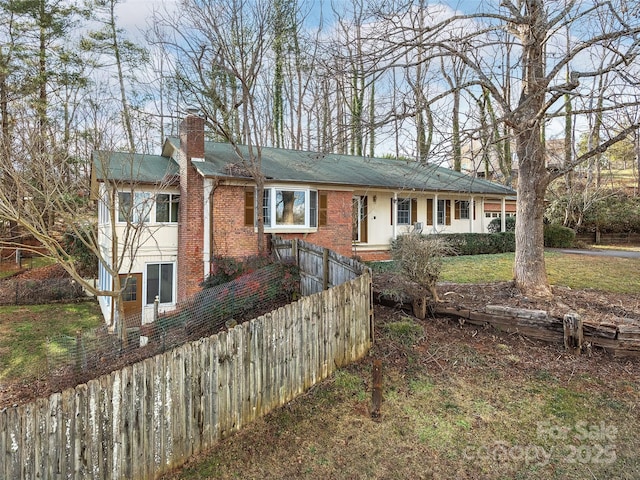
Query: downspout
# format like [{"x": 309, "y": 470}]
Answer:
[
  {"x": 211, "y": 245},
  {"x": 114, "y": 248},
  {"x": 207, "y": 234}
]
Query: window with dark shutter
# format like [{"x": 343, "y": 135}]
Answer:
[
  {"x": 414, "y": 211},
  {"x": 249, "y": 207},
  {"x": 322, "y": 209}
]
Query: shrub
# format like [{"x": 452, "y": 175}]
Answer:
[
  {"x": 495, "y": 225},
  {"x": 481, "y": 243},
  {"x": 419, "y": 258},
  {"x": 613, "y": 212},
  {"x": 225, "y": 269},
  {"x": 557, "y": 236},
  {"x": 268, "y": 286}
]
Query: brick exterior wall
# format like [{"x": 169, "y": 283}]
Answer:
[
  {"x": 192, "y": 136},
  {"x": 232, "y": 238}
]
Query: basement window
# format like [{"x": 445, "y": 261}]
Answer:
[{"x": 160, "y": 282}]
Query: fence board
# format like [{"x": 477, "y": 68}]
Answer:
[
  {"x": 288, "y": 360},
  {"x": 224, "y": 363},
  {"x": 67, "y": 413},
  {"x": 256, "y": 354},
  {"x": 5, "y": 444},
  {"x": 122, "y": 436},
  {"x": 158, "y": 414}
]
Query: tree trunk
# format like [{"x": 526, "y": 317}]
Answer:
[{"x": 529, "y": 268}]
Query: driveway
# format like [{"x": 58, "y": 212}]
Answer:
[{"x": 598, "y": 253}]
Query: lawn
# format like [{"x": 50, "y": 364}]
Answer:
[
  {"x": 24, "y": 331},
  {"x": 459, "y": 402},
  {"x": 574, "y": 271}
]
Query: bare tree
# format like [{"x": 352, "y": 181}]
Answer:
[
  {"x": 220, "y": 49},
  {"x": 40, "y": 188},
  {"x": 533, "y": 28}
]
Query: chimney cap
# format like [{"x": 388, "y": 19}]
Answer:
[{"x": 193, "y": 110}]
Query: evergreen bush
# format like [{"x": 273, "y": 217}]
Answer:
[
  {"x": 481, "y": 243},
  {"x": 495, "y": 225},
  {"x": 557, "y": 236}
]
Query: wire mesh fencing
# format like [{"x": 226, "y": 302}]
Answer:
[
  {"x": 72, "y": 360},
  {"x": 32, "y": 291}
]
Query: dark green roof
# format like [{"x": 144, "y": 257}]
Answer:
[
  {"x": 136, "y": 167},
  {"x": 299, "y": 167}
]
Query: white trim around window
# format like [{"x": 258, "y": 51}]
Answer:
[
  {"x": 147, "y": 207},
  {"x": 160, "y": 280},
  {"x": 290, "y": 208}
]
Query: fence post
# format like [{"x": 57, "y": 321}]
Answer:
[
  {"x": 156, "y": 303},
  {"x": 79, "y": 362},
  {"x": 325, "y": 269},
  {"x": 294, "y": 250},
  {"x": 376, "y": 395},
  {"x": 573, "y": 333}
]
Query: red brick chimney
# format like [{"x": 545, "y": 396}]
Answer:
[
  {"x": 192, "y": 135},
  {"x": 191, "y": 264}
]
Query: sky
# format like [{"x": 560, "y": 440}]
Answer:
[{"x": 134, "y": 15}]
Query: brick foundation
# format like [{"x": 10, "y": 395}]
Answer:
[{"x": 373, "y": 255}]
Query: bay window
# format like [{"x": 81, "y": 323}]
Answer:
[{"x": 290, "y": 208}]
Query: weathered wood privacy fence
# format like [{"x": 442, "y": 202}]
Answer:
[
  {"x": 320, "y": 268},
  {"x": 142, "y": 421}
]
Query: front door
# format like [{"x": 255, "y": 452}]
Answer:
[
  {"x": 359, "y": 219},
  {"x": 132, "y": 298}
]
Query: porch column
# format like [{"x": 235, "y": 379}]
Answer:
[
  {"x": 472, "y": 210},
  {"x": 503, "y": 215},
  {"x": 394, "y": 216}
]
